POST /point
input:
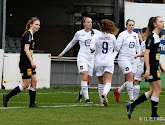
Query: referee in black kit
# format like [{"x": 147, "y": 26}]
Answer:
[{"x": 26, "y": 64}]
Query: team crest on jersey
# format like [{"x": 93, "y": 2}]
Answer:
[
  {"x": 131, "y": 45},
  {"x": 81, "y": 67},
  {"x": 134, "y": 37},
  {"x": 127, "y": 68},
  {"x": 87, "y": 42}
]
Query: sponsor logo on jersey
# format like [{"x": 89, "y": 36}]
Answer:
[
  {"x": 158, "y": 74},
  {"x": 29, "y": 71},
  {"x": 157, "y": 56}
]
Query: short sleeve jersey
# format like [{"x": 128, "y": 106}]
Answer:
[
  {"x": 142, "y": 49},
  {"x": 153, "y": 44},
  {"x": 105, "y": 43},
  {"x": 27, "y": 38},
  {"x": 128, "y": 43}
]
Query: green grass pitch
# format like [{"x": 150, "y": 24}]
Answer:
[{"x": 60, "y": 108}]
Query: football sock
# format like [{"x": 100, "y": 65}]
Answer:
[
  {"x": 15, "y": 91},
  {"x": 107, "y": 88},
  {"x": 101, "y": 89},
  {"x": 129, "y": 86},
  {"x": 84, "y": 88},
  {"x": 122, "y": 88},
  {"x": 136, "y": 90},
  {"x": 141, "y": 99},
  {"x": 154, "y": 103},
  {"x": 32, "y": 94}
]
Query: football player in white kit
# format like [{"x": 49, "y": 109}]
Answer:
[
  {"x": 140, "y": 71},
  {"x": 104, "y": 43},
  {"x": 85, "y": 59},
  {"x": 129, "y": 45}
]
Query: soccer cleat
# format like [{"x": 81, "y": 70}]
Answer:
[
  {"x": 34, "y": 106},
  {"x": 116, "y": 93},
  {"x": 5, "y": 100},
  {"x": 79, "y": 97},
  {"x": 129, "y": 101},
  {"x": 156, "y": 118},
  {"x": 88, "y": 101},
  {"x": 129, "y": 110},
  {"x": 105, "y": 101}
]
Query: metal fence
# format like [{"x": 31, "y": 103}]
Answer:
[{"x": 65, "y": 73}]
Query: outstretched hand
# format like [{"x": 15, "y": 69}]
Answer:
[{"x": 59, "y": 56}]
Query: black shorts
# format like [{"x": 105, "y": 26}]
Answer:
[
  {"x": 26, "y": 70},
  {"x": 154, "y": 73}
]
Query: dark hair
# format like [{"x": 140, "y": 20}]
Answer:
[
  {"x": 129, "y": 21},
  {"x": 92, "y": 32},
  {"x": 144, "y": 29},
  {"x": 151, "y": 27},
  {"x": 149, "y": 30},
  {"x": 31, "y": 21},
  {"x": 108, "y": 26}
]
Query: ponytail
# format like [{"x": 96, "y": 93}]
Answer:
[
  {"x": 31, "y": 21},
  {"x": 151, "y": 27}
]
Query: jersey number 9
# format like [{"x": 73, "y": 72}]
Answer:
[{"x": 105, "y": 47}]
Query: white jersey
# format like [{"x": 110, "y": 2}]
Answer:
[
  {"x": 142, "y": 49},
  {"x": 129, "y": 45},
  {"x": 105, "y": 43},
  {"x": 84, "y": 39}
]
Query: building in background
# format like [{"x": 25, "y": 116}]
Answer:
[{"x": 59, "y": 20}]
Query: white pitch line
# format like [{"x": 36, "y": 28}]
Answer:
[
  {"x": 60, "y": 92},
  {"x": 57, "y": 106}
]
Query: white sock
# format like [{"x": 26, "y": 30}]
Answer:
[
  {"x": 147, "y": 96},
  {"x": 33, "y": 89},
  {"x": 107, "y": 88},
  {"x": 122, "y": 88},
  {"x": 129, "y": 86},
  {"x": 20, "y": 87},
  {"x": 155, "y": 99},
  {"x": 84, "y": 88},
  {"x": 100, "y": 90},
  {"x": 136, "y": 90},
  {"x": 81, "y": 92}
]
